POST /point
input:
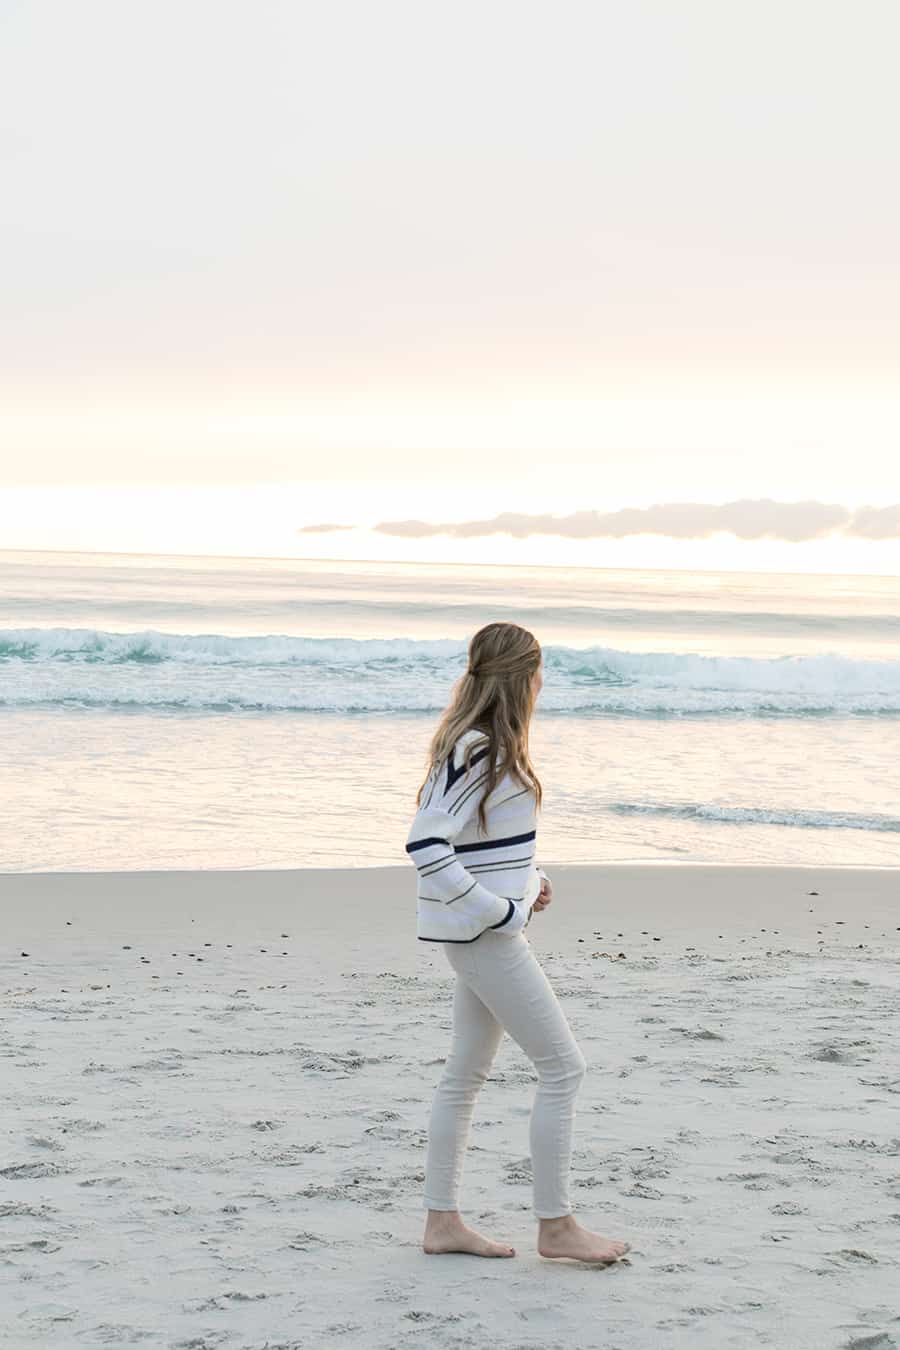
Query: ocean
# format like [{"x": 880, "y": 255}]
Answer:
[{"x": 189, "y": 712}]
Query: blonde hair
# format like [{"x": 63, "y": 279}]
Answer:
[{"x": 495, "y": 695}]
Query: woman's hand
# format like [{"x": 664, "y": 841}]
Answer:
[{"x": 545, "y": 895}]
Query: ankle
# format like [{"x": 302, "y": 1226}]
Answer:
[
  {"x": 450, "y": 1217},
  {"x": 557, "y": 1225}
]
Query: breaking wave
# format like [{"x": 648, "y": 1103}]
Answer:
[{"x": 90, "y": 668}]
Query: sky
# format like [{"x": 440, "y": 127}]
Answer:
[{"x": 277, "y": 265}]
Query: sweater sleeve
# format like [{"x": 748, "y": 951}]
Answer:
[{"x": 450, "y": 799}]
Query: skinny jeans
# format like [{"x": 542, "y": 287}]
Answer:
[{"x": 500, "y": 985}]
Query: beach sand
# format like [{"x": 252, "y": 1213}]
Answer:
[{"x": 216, "y": 1089}]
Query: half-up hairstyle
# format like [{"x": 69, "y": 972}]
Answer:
[{"x": 495, "y": 695}]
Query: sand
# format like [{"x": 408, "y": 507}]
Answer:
[{"x": 216, "y": 1089}]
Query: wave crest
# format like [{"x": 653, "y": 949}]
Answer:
[
  {"x": 755, "y": 815},
  {"x": 216, "y": 672}
]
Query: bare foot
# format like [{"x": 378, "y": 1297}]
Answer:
[
  {"x": 566, "y": 1237},
  {"x": 446, "y": 1232}
]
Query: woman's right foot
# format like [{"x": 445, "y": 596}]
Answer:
[{"x": 565, "y": 1237}]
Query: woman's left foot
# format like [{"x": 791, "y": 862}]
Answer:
[{"x": 450, "y": 1234}]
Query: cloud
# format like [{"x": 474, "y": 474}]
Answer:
[
  {"x": 748, "y": 518},
  {"x": 323, "y": 529},
  {"x": 874, "y": 522}
]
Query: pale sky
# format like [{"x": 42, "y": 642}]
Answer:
[{"x": 276, "y": 264}]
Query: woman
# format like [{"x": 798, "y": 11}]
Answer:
[{"x": 473, "y": 843}]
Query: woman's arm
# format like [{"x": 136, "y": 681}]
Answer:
[{"x": 450, "y": 799}]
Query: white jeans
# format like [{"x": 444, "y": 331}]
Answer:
[{"x": 501, "y": 986}]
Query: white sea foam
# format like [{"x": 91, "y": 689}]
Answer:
[
  {"x": 754, "y": 815},
  {"x": 149, "y": 669}
]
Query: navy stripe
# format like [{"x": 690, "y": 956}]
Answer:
[
  {"x": 439, "y": 867},
  {"x": 453, "y": 773},
  {"x": 474, "y": 939},
  {"x": 502, "y": 862},
  {"x": 512, "y": 796},
  {"x": 462, "y": 893},
  {"x": 498, "y": 866},
  {"x": 526, "y": 860},
  {"x": 497, "y": 843},
  {"x": 426, "y": 843},
  {"x": 510, "y": 912},
  {"x": 430, "y": 862},
  {"x": 467, "y": 792}
]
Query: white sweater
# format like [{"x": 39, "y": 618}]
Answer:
[{"x": 469, "y": 881}]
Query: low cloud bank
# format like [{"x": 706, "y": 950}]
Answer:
[
  {"x": 759, "y": 518},
  {"x": 748, "y": 518}
]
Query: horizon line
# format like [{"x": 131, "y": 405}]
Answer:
[{"x": 411, "y": 562}]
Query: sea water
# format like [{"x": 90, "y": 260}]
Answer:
[{"x": 163, "y": 712}]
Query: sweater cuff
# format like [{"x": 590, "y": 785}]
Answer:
[
  {"x": 507, "y": 916},
  {"x": 515, "y": 920}
]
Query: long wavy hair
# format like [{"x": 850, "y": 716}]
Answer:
[{"x": 496, "y": 696}]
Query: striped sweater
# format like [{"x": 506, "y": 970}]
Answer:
[{"x": 469, "y": 881}]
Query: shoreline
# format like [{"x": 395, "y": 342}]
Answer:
[{"x": 362, "y": 909}]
